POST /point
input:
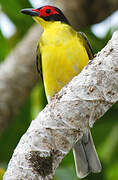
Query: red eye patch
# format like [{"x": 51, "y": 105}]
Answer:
[{"x": 46, "y": 11}]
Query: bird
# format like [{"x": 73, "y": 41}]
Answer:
[{"x": 62, "y": 53}]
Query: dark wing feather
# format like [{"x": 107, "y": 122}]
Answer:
[
  {"x": 39, "y": 62},
  {"x": 43, "y": 99},
  {"x": 86, "y": 44}
]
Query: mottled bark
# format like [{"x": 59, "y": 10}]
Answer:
[{"x": 73, "y": 110}]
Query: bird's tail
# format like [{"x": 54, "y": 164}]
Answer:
[{"x": 86, "y": 158}]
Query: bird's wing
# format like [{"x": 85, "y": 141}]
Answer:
[
  {"x": 38, "y": 62},
  {"x": 86, "y": 44},
  {"x": 43, "y": 99}
]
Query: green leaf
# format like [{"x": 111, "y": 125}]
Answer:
[
  {"x": 112, "y": 172},
  {"x": 107, "y": 149},
  {"x": 65, "y": 173},
  {"x": 16, "y": 129},
  {"x": 38, "y": 99},
  {"x": 3, "y": 47},
  {"x": 2, "y": 171}
]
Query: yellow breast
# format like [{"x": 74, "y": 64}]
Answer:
[{"x": 63, "y": 56}]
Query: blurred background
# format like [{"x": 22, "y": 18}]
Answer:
[{"x": 19, "y": 104}]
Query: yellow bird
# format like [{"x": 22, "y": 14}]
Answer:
[{"x": 61, "y": 54}]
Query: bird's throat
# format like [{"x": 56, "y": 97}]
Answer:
[{"x": 44, "y": 24}]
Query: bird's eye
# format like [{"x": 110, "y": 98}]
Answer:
[{"x": 48, "y": 11}]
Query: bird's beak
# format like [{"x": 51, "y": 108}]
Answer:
[{"x": 30, "y": 12}]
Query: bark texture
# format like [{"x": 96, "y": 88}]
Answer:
[{"x": 73, "y": 110}]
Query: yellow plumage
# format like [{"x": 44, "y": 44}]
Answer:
[{"x": 63, "y": 56}]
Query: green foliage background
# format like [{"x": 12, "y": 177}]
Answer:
[{"x": 105, "y": 131}]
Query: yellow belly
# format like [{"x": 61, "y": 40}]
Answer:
[
  {"x": 60, "y": 64},
  {"x": 63, "y": 56}
]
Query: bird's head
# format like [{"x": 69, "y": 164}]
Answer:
[{"x": 46, "y": 14}]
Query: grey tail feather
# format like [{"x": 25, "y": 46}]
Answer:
[{"x": 85, "y": 155}]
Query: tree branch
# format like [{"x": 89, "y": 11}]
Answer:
[{"x": 73, "y": 110}]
